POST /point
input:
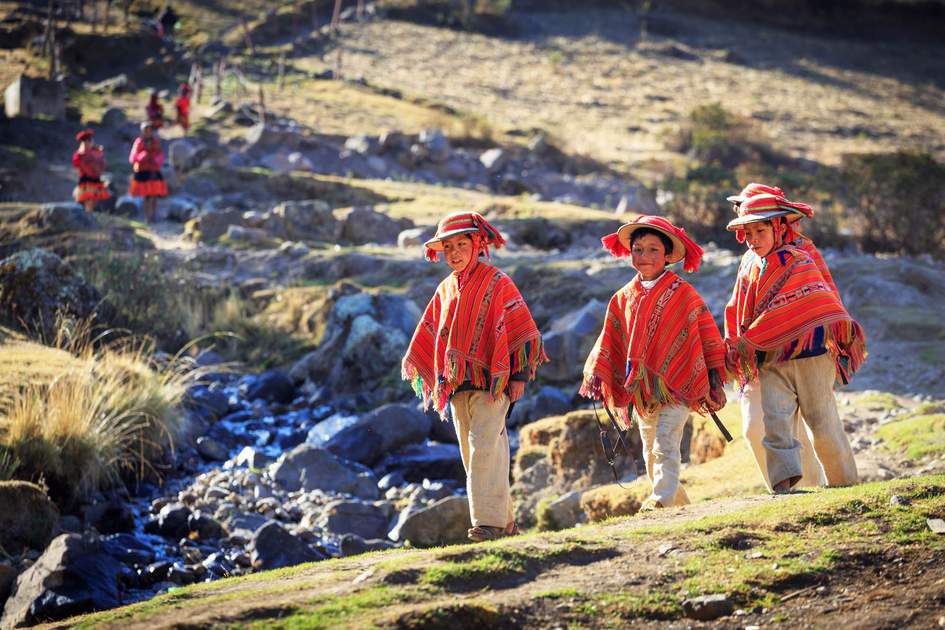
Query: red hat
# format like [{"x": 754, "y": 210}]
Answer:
[
  {"x": 85, "y": 134},
  {"x": 684, "y": 248},
  {"x": 463, "y": 223},
  {"x": 753, "y": 189},
  {"x": 185, "y": 87},
  {"x": 765, "y": 207}
]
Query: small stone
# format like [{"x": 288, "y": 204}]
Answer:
[
  {"x": 665, "y": 549},
  {"x": 937, "y": 525},
  {"x": 898, "y": 500},
  {"x": 708, "y": 607}
]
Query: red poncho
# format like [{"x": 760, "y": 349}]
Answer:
[
  {"x": 147, "y": 154},
  {"x": 657, "y": 347},
  {"x": 476, "y": 327},
  {"x": 778, "y": 304}
]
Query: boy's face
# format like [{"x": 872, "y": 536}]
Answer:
[
  {"x": 458, "y": 251},
  {"x": 759, "y": 236},
  {"x": 648, "y": 256}
]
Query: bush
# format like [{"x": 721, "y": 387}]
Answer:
[
  {"x": 111, "y": 419},
  {"x": 898, "y": 201}
]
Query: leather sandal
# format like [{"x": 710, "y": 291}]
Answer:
[{"x": 482, "y": 533}]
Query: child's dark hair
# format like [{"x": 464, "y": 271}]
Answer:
[{"x": 640, "y": 232}]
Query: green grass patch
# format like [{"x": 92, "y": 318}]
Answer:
[
  {"x": 918, "y": 434},
  {"x": 659, "y": 605}
]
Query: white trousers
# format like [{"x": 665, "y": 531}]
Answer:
[{"x": 661, "y": 433}]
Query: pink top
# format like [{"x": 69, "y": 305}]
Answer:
[{"x": 148, "y": 157}]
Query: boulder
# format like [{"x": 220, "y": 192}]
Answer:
[
  {"x": 415, "y": 237},
  {"x": 242, "y": 524},
  {"x": 262, "y": 136},
  {"x": 569, "y": 340},
  {"x": 274, "y": 548},
  {"x": 8, "y": 579},
  {"x": 211, "y": 404},
  {"x": 273, "y": 386},
  {"x": 211, "y": 450},
  {"x": 185, "y": 154},
  {"x": 364, "y": 338},
  {"x": 180, "y": 209},
  {"x": 435, "y": 145},
  {"x": 309, "y": 467},
  {"x": 562, "y": 453},
  {"x": 213, "y": 225},
  {"x": 72, "y": 577},
  {"x": 251, "y": 236},
  {"x": 171, "y": 521},
  {"x": 113, "y": 118},
  {"x": 286, "y": 162},
  {"x": 28, "y": 517},
  {"x": 548, "y": 401},
  {"x": 353, "y": 517},
  {"x": 539, "y": 233},
  {"x": 443, "y": 523},
  {"x": 128, "y": 206},
  {"x": 310, "y": 220},
  {"x": 366, "y": 225},
  {"x": 380, "y": 432},
  {"x": 252, "y": 458},
  {"x": 37, "y": 288},
  {"x": 112, "y": 516},
  {"x": 362, "y": 145},
  {"x": 64, "y": 216},
  {"x": 205, "y": 527},
  {"x": 494, "y": 160},
  {"x": 350, "y": 545},
  {"x": 562, "y": 513},
  {"x": 417, "y": 462},
  {"x": 708, "y": 607},
  {"x": 128, "y": 549},
  {"x": 608, "y": 501}
]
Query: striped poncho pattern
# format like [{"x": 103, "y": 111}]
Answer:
[
  {"x": 778, "y": 304},
  {"x": 476, "y": 327},
  {"x": 657, "y": 347}
]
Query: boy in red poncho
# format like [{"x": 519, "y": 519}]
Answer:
[
  {"x": 89, "y": 161},
  {"x": 753, "y": 426},
  {"x": 183, "y": 107},
  {"x": 474, "y": 349},
  {"x": 786, "y": 327},
  {"x": 146, "y": 158},
  {"x": 659, "y": 352}
]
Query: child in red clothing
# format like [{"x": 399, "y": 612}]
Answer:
[
  {"x": 146, "y": 158},
  {"x": 183, "y": 107},
  {"x": 89, "y": 161},
  {"x": 155, "y": 111},
  {"x": 659, "y": 354}
]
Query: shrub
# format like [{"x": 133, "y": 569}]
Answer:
[
  {"x": 898, "y": 201},
  {"x": 110, "y": 419}
]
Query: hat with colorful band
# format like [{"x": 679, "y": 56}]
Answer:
[
  {"x": 684, "y": 248},
  {"x": 463, "y": 223},
  {"x": 753, "y": 189},
  {"x": 760, "y": 208},
  {"x": 85, "y": 134}
]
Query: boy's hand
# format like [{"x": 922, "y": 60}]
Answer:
[{"x": 516, "y": 390}]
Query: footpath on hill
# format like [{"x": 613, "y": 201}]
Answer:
[{"x": 860, "y": 557}]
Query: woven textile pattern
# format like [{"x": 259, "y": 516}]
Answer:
[
  {"x": 777, "y": 304},
  {"x": 656, "y": 348},
  {"x": 476, "y": 327}
]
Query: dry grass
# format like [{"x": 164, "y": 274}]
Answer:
[{"x": 109, "y": 416}]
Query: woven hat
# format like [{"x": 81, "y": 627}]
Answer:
[
  {"x": 85, "y": 134},
  {"x": 753, "y": 189},
  {"x": 463, "y": 223},
  {"x": 759, "y": 208},
  {"x": 684, "y": 248}
]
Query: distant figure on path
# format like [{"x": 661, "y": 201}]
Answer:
[
  {"x": 89, "y": 161},
  {"x": 474, "y": 349},
  {"x": 659, "y": 354},
  {"x": 786, "y": 327},
  {"x": 146, "y": 159},
  {"x": 167, "y": 19},
  {"x": 183, "y": 106},
  {"x": 155, "y": 111}
]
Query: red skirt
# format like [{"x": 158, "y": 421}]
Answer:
[
  {"x": 148, "y": 184},
  {"x": 90, "y": 189}
]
